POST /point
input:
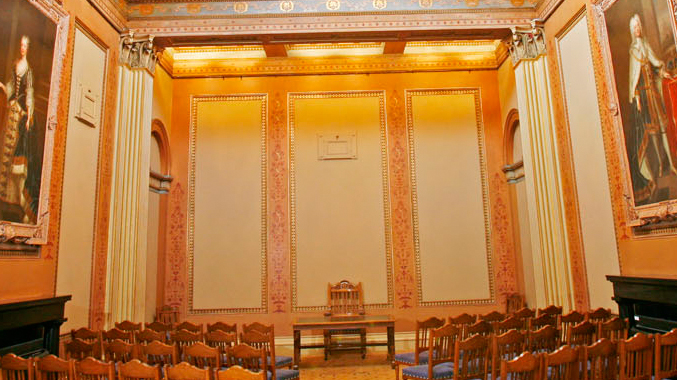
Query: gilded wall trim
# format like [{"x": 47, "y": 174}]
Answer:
[
  {"x": 385, "y": 183},
  {"x": 485, "y": 192},
  {"x": 194, "y": 101}
]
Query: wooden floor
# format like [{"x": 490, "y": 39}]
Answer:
[{"x": 347, "y": 366}]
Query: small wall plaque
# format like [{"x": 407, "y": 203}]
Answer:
[
  {"x": 337, "y": 146},
  {"x": 88, "y": 106}
]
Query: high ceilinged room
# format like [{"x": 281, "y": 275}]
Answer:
[{"x": 228, "y": 161}]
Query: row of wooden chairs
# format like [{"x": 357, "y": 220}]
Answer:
[
  {"x": 477, "y": 356},
  {"x": 134, "y": 333},
  {"x": 52, "y": 368}
]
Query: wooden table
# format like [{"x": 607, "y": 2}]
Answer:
[{"x": 338, "y": 323}]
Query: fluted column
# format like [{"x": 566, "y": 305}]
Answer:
[
  {"x": 126, "y": 284},
  {"x": 552, "y": 269}
]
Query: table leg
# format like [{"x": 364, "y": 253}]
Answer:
[
  {"x": 391, "y": 342},
  {"x": 297, "y": 348}
]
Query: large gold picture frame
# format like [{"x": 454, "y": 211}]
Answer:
[
  {"x": 33, "y": 36},
  {"x": 637, "y": 40}
]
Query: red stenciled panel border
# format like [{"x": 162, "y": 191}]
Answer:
[{"x": 175, "y": 273}]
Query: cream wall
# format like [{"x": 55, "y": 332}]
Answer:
[
  {"x": 339, "y": 204},
  {"x": 153, "y": 235},
  {"x": 450, "y": 193},
  {"x": 506, "y": 88},
  {"x": 74, "y": 268},
  {"x": 229, "y": 229},
  {"x": 162, "y": 98},
  {"x": 594, "y": 199}
]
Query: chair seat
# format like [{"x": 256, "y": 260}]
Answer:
[
  {"x": 440, "y": 371},
  {"x": 284, "y": 374},
  {"x": 408, "y": 358},
  {"x": 281, "y": 361}
]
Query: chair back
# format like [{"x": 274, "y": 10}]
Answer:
[
  {"x": 666, "y": 355},
  {"x": 257, "y": 326},
  {"x": 442, "y": 345},
  {"x": 563, "y": 364},
  {"x": 422, "y": 338},
  {"x": 221, "y": 339},
  {"x": 93, "y": 369},
  {"x": 185, "y": 371},
  {"x": 583, "y": 334},
  {"x": 480, "y": 327},
  {"x": 601, "y": 360},
  {"x": 128, "y": 326},
  {"x": 167, "y": 314},
  {"x": 615, "y": 329},
  {"x": 247, "y": 357},
  {"x": 13, "y": 367},
  {"x": 87, "y": 335},
  {"x": 183, "y": 339},
  {"x": 544, "y": 340},
  {"x": 238, "y": 373},
  {"x": 543, "y": 320},
  {"x": 567, "y": 321},
  {"x": 513, "y": 302},
  {"x": 78, "y": 349},
  {"x": 159, "y": 326},
  {"x": 345, "y": 298},
  {"x": 52, "y": 368},
  {"x": 471, "y": 358},
  {"x": 524, "y": 313},
  {"x": 135, "y": 370},
  {"x": 148, "y": 335},
  {"x": 192, "y": 327},
  {"x": 119, "y": 351},
  {"x": 635, "y": 357},
  {"x": 160, "y": 353},
  {"x": 116, "y": 333},
  {"x": 201, "y": 356},
  {"x": 493, "y": 316},
  {"x": 220, "y": 326},
  {"x": 510, "y": 323},
  {"x": 598, "y": 315},
  {"x": 550, "y": 310},
  {"x": 463, "y": 319},
  {"x": 261, "y": 341},
  {"x": 507, "y": 346},
  {"x": 525, "y": 367}
]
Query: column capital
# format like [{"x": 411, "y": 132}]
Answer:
[
  {"x": 138, "y": 51},
  {"x": 527, "y": 42}
]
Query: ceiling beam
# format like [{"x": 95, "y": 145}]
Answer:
[
  {"x": 275, "y": 50},
  {"x": 394, "y": 47}
]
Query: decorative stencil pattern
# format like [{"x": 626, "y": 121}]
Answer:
[{"x": 175, "y": 272}]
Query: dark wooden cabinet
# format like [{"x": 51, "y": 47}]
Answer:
[
  {"x": 31, "y": 328},
  {"x": 649, "y": 303}
]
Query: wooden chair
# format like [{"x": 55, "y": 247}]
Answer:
[
  {"x": 128, "y": 326},
  {"x": 598, "y": 315},
  {"x": 615, "y": 329},
  {"x": 220, "y": 326},
  {"x": 257, "y": 326},
  {"x": 281, "y": 361},
  {"x": 513, "y": 302},
  {"x": 89, "y": 336},
  {"x": 13, "y": 367},
  {"x": 563, "y": 364},
  {"x": 480, "y": 327},
  {"x": 185, "y": 371},
  {"x": 472, "y": 357},
  {"x": 583, "y": 334},
  {"x": 93, "y": 369},
  {"x": 463, "y": 319},
  {"x": 544, "y": 340},
  {"x": 510, "y": 323},
  {"x": 542, "y": 320},
  {"x": 221, "y": 340},
  {"x": 167, "y": 314},
  {"x": 525, "y": 314},
  {"x": 567, "y": 321},
  {"x": 78, "y": 349},
  {"x": 119, "y": 351},
  {"x": 600, "y": 360},
  {"x": 420, "y": 354},
  {"x": 184, "y": 338},
  {"x": 266, "y": 342},
  {"x": 666, "y": 355},
  {"x": 550, "y": 310},
  {"x": 116, "y": 333},
  {"x": 135, "y": 370},
  {"x": 345, "y": 299},
  {"x": 507, "y": 346},
  {"x": 494, "y": 316},
  {"x": 635, "y": 357},
  {"x": 160, "y": 353},
  {"x": 247, "y": 357},
  {"x": 525, "y": 367},
  {"x": 201, "y": 356},
  {"x": 440, "y": 356},
  {"x": 192, "y": 327},
  {"x": 238, "y": 373},
  {"x": 52, "y": 368},
  {"x": 148, "y": 335},
  {"x": 158, "y": 326}
]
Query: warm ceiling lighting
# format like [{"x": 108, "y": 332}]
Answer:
[
  {"x": 441, "y": 47},
  {"x": 335, "y": 49},
  {"x": 217, "y": 52}
]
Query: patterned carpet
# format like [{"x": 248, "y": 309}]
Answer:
[{"x": 347, "y": 366}]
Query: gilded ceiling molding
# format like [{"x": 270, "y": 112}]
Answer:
[
  {"x": 137, "y": 51},
  {"x": 353, "y": 65},
  {"x": 528, "y": 42},
  {"x": 112, "y": 12},
  {"x": 546, "y": 8}
]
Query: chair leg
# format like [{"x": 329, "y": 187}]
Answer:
[
  {"x": 327, "y": 344},
  {"x": 363, "y": 342},
  {"x": 397, "y": 371}
]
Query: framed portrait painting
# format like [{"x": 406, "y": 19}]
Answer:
[
  {"x": 33, "y": 38},
  {"x": 638, "y": 40}
]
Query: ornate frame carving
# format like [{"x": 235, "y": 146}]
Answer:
[
  {"x": 485, "y": 194},
  {"x": 194, "y": 100},
  {"x": 36, "y": 234},
  {"x": 385, "y": 184},
  {"x": 643, "y": 216}
]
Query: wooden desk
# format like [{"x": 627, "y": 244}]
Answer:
[{"x": 351, "y": 322}]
